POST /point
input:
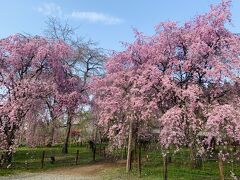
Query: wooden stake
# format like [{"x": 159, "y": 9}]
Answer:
[
  {"x": 77, "y": 155},
  {"x": 42, "y": 160}
]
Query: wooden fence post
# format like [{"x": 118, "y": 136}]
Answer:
[
  {"x": 100, "y": 149},
  {"x": 104, "y": 151},
  {"x": 131, "y": 159},
  {"x": 76, "y": 160},
  {"x": 94, "y": 153},
  {"x": 42, "y": 160}
]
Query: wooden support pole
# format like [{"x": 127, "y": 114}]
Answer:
[
  {"x": 94, "y": 153},
  {"x": 76, "y": 159},
  {"x": 104, "y": 151},
  {"x": 42, "y": 159}
]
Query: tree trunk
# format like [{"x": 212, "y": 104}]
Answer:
[
  {"x": 165, "y": 167},
  {"x": 66, "y": 142},
  {"x": 193, "y": 156},
  {"x": 135, "y": 149},
  {"x": 130, "y": 142},
  {"x": 52, "y": 125},
  {"x": 51, "y": 137},
  {"x": 7, "y": 161},
  {"x": 221, "y": 167},
  {"x": 139, "y": 160}
]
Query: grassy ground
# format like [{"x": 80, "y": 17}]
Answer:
[
  {"x": 28, "y": 159},
  {"x": 179, "y": 168}
]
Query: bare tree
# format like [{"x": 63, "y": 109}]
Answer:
[{"x": 88, "y": 59}]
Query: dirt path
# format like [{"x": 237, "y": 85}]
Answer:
[
  {"x": 86, "y": 172},
  {"x": 92, "y": 170}
]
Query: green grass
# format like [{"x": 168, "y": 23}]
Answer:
[
  {"x": 180, "y": 168},
  {"x": 27, "y": 159}
]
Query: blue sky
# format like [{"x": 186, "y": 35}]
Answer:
[{"x": 107, "y": 22}]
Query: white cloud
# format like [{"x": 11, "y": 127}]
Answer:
[
  {"x": 95, "y": 17},
  {"x": 50, "y": 9}
]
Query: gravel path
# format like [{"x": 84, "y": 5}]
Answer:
[
  {"x": 48, "y": 176},
  {"x": 87, "y": 172}
]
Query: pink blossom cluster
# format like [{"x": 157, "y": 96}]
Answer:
[
  {"x": 34, "y": 73},
  {"x": 181, "y": 80}
]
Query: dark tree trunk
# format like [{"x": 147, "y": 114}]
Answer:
[
  {"x": 7, "y": 161},
  {"x": 131, "y": 160},
  {"x": 66, "y": 142},
  {"x": 130, "y": 142},
  {"x": 7, "y": 158},
  {"x": 139, "y": 160},
  {"x": 93, "y": 147},
  {"x": 94, "y": 154}
]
